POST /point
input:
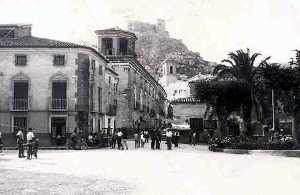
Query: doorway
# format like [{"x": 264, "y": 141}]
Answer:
[{"x": 58, "y": 129}]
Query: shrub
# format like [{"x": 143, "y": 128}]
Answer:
[{"x": 283, "y": 142}]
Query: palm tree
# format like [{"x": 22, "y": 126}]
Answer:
[{"x": 242, "y": 67}]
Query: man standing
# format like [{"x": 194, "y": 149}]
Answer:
[
  {"x": 152, "y": 134},
  {"x": 158, "y": 139},
  {"x": 194, "y": 138},
  {"x": 74, "y": 138},
  {"x": 20, "y": 142},
  {"x": 119, "y": 140},
  {"x": 30, "y": 137},
  {"x": 176, "y": 138},
  {"x": 169, "y": 135}
]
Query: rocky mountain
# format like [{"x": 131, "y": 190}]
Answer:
[{"x": 154, "y": 45}]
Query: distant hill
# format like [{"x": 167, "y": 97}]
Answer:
[{"x": 154, "y": 46}]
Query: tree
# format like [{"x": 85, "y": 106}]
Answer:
[
  {"x": 242, "y": 67},
  {"x": 285, "y": 82},
  {"x": 224, "y": 97}
]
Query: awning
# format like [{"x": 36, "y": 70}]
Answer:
[{"x": 181, "y": 127}]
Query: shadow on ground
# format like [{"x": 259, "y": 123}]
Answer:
[{"x": 12, "y": 182}]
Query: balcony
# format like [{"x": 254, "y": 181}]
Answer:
[
  {"x": 112, "y": 52},
  {"x": 112, "y": 110},
  {"x": 57, "y": 104},
  {"x": 19, "y": 104},
  {"x": 107, "y": 52}
]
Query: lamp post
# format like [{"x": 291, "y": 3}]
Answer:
[{"x": 273, "y": 111}]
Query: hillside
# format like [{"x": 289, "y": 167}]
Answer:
[{"x": 154, "y": 46}]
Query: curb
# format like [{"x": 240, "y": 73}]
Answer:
[
  {"x": 51, "y": 148},
  {"x": 285, "y": 153}
]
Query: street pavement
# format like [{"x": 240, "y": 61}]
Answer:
[{"x": 185, "y": 170}]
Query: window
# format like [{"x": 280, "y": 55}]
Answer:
[
  {"x": 100, "y": 70},
  {"x": 20, "y": 60},
  {"x": 7, "y": 33},
  {"x": 123, "y": 46},
  {"x": 93, "y": 64},
  {"x": 59, "y": 60},
  {"x": 107, "y": 46},
  {"x": 100, "y": 99},
  {"x": 171, "y": 69},
  {"x": 135, "y": 96},
  {"x": 109, "y": 80}
]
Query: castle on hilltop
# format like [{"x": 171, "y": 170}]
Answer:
[{"x": 142, "y": 27}]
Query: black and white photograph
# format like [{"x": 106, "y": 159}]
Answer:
[{"x": 139, "y": 97}]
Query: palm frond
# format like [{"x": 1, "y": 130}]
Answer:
[{"x": 219, "y": 68}]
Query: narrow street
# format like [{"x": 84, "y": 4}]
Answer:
[{"x": 183, "y": 171}]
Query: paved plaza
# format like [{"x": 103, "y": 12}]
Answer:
[{"x": 183, "y": 171}]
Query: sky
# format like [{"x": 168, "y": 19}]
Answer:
[{"x": 211, "y": 27}]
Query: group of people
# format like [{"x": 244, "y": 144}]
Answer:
[
  {"x": 172, "y": 137},
  {"x": 119, "y": 137},
  {"x": 140, "y": 138},
  {"x": 31, "y": 142}
]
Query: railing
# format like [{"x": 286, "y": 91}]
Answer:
[
  {"x": 113, "y": 52},
  {"x": 112, "y": 110},
  {"x": 108, "y": 52},
  {"x": 58, "y": 104},
  {"x": 19, "y": 104}
]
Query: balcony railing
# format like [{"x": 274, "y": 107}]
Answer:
[
  {"x": 112, "y": 110},
  {"x": 108, "y": 52},
  {"x": 19, "y": 104},
  {"x": 113, "y": 52},
  {"x": 58, "y": 104}
]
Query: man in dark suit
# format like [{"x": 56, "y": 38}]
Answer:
[
  {"x": 157, "y": 139},
  {"x": 153, "y": 138}
]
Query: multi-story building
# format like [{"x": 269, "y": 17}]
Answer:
[
  {"x": 53, "y": 86},
  {"x": 142, "y": 100}
]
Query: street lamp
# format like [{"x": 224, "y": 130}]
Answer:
[{"x": 273, "y": 111}]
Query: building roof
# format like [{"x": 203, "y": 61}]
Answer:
[
  {"x": 35, "y": 42},
  {"x": 14, "y": 25},
  {"x": 115, "y": 30},
  {"x": 187, "y": 100}
]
